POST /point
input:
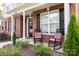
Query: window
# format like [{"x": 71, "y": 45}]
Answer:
[
  {"x": 49, "y": 21},
  {"x": 44, "y": 22}
]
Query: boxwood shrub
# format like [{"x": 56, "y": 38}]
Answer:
[
  {"x": 22, "y": 43},
  {"x": 42, "y": 50},
  {"x": 10, "y": 51}
]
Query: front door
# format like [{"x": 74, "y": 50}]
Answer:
[{"x": 28, "y": 27}]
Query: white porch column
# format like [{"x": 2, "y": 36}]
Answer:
[
  {"x": 12, "y": 26},
  {"x": 66, "y": 16},
  {"x": 23, "y": 24},
  {"x": 48, "y": 22}
]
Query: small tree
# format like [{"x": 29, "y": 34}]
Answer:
[
  {"x": 14, "y": 38},
  {"x": 71, "y": 43}
]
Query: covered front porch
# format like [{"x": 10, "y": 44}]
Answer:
[{"x": 30, "y": 21}]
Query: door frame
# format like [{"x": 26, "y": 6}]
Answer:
[
  {"x": 27, "y": 20},
  {"x": 27, "y": 26}
]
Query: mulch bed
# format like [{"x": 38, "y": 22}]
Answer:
[{"x": 29, "y": 52}]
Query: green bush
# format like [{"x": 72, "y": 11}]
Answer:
[
  {"x": 71, "y": 43},
  {"x": 22, "y": 43},
  {"x": 14, "y": 38},
  {"x": 10, "y": 51},
  {"x": 41, "y": 50}
]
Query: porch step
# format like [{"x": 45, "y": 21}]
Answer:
[{"x": 59, "y": 50}]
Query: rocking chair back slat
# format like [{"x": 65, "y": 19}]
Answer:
[
  {"x": 37, "y": 35},
  {"x": 58, "y": 36}
]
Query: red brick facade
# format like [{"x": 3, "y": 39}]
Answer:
[
  {"x": 19, "y": 25},
  {"x": 7, "y": 25},
  {"x": 19, "y": 19},
  {"x": 72, "y": 8}
]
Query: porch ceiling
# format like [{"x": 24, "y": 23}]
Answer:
[
  {"x": 30, "y": 10},
  {"x": 22, "y": 7},
  {"x": 41, "y": 7}
]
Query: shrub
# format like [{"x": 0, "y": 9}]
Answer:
[
  {"x": 71, "y": 43},
  {"x": 14, "y": 38},
  {"x": 22, "y": 43},
  {"x": 41, "y": 50},
  {"x": 10, "y": 51}
]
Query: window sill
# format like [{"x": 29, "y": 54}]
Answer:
[{"x": 47, "y": 34}]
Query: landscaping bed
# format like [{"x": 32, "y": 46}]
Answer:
[
  {"x": 29, "y": 52},
  {"x": 25, "y": 49}
]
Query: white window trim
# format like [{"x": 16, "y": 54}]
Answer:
[{"x": 49, "y": 21}]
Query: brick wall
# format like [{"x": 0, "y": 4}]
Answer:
[
  {"x": 72, "y": 8},
  {"x": 6, "y": 25},
  {"x": 78, "y": 12},
  {"x": 19, "y": 26}
]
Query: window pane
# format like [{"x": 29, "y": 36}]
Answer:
[
  {"x": 54, "y": 27},
  {"x": 54, "y": 20},
  {"x": 44, "y": 28},
  {"x": 44, "y": 21},
  {"x": 54, "y": 17},
  {"x": 44, "y": 18}
]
